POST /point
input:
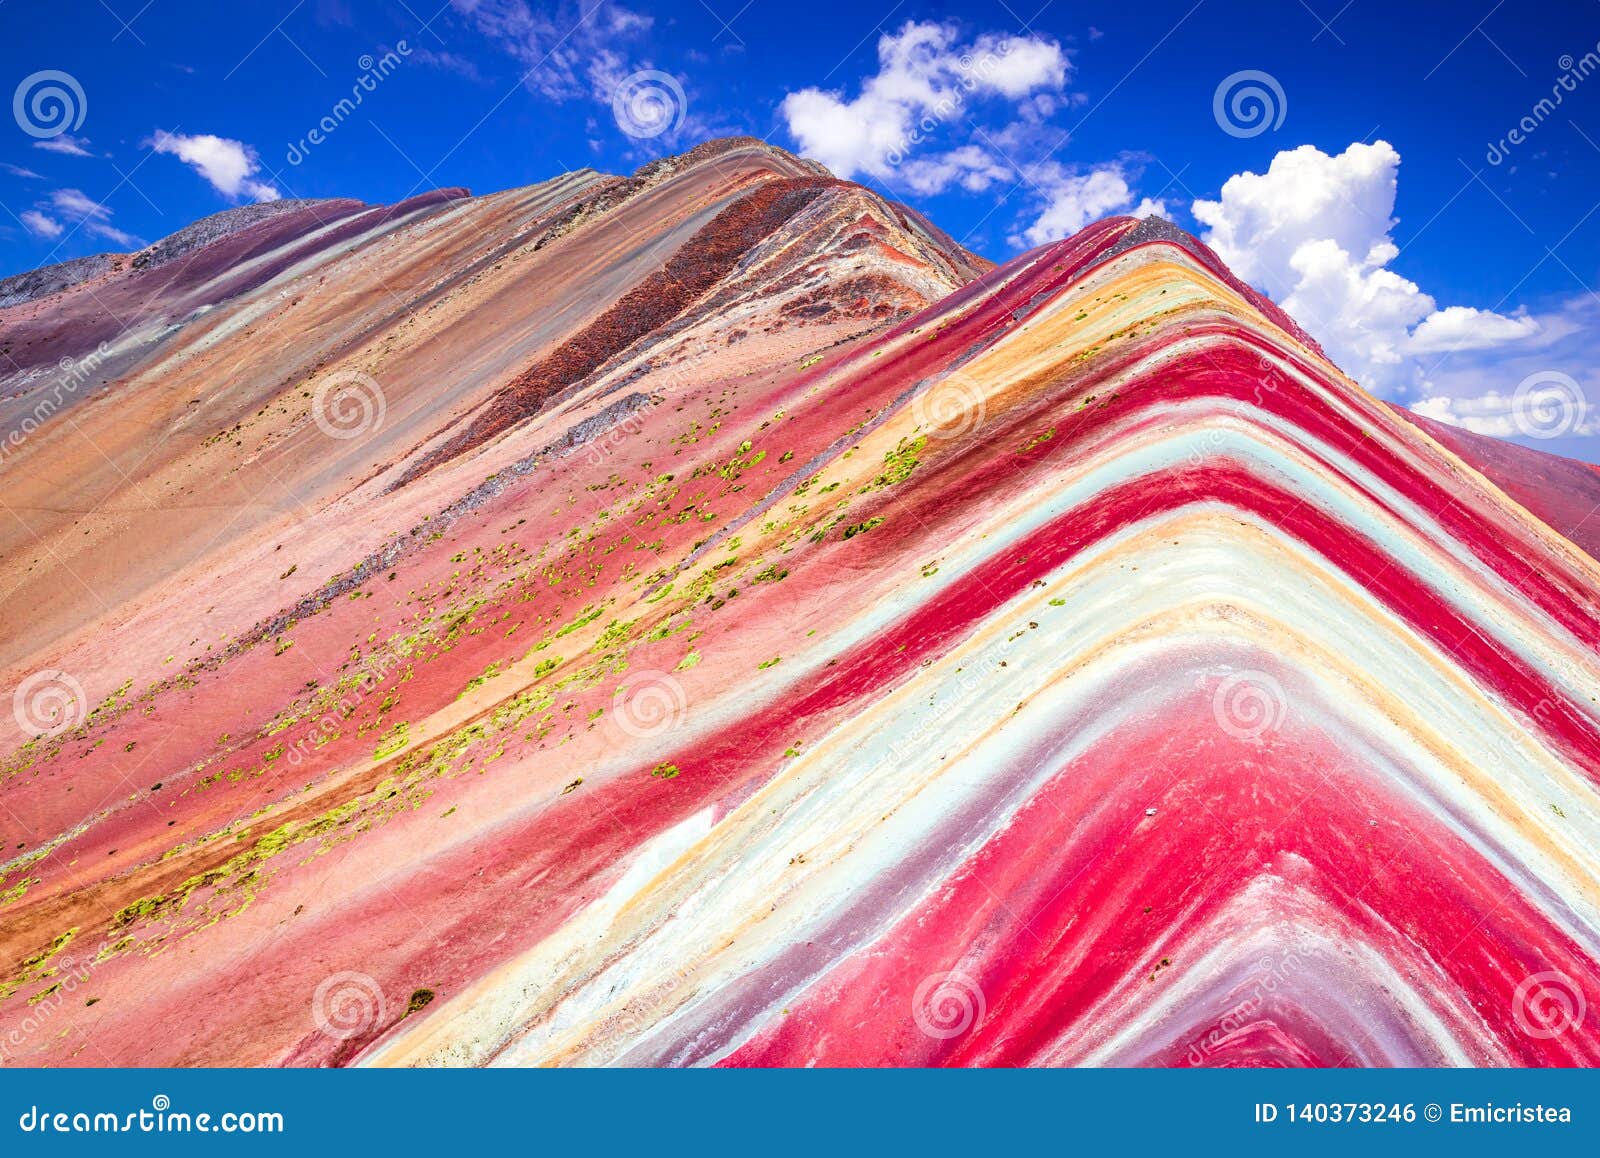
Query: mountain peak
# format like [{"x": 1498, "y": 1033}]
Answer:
[{"x": 710, "y": 616}]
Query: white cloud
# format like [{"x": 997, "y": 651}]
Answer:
[
  {"x": 968, "y": 166},
  {"x": 596, "y": 50},
  {"x": 84, "y": 212},
  {"x": 65, "y": 143},
  {"x": 1313, "y": 231},
  {"x": 78, "y": 205},
  {"x": 1305, "y": 195},
  {"x": 41, "y": 225},
  {"x": 114, "y": 235},
  {"x": 925, "y": 79},
  {"x": 87, "y": 214},
  {"x": 1465, "y": 328},
  {"x": 1020, "y": 64},
  {"x": 607, "y": 71},
  {"x": 462, "y": 66},
  {"x": 1488, "y": 414},
  {"x": 230, "y": 166},
  {"x": 1510, "y": 416},
  {"x": 19, "y": 171},
  {"x": 569, "y": 50},
  {"x": 1072, "y": 200},
  {"x": 1556, "y": 371}
]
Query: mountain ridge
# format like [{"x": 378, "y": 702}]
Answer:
[{"x": 877, "y": 659}]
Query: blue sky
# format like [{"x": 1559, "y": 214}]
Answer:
[{"x": 1008, "y": 123}]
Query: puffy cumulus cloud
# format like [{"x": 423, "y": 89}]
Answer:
[
  {"x": 1487, "y": 414},
  {"x": 1072, "y": 200},
  {"x": 1262, "y": 219},
  {"x": 41, "y": 224},
  {"x": 970, "y": 167},
  {"x": 1313, "y": 231},
  {"x": 1544, "y": 410},
  {"x": 1361, "y": 312},
  {"x": 1465, "y": 328},
  {"x": 230, "y": 166},
  {"x": 925, "y": 80},
  {"x": 1542, "y": 390},
  {"x": 1015, "y": 66}
]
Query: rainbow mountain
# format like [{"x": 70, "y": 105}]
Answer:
[{"x": 710, "y": 617}]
